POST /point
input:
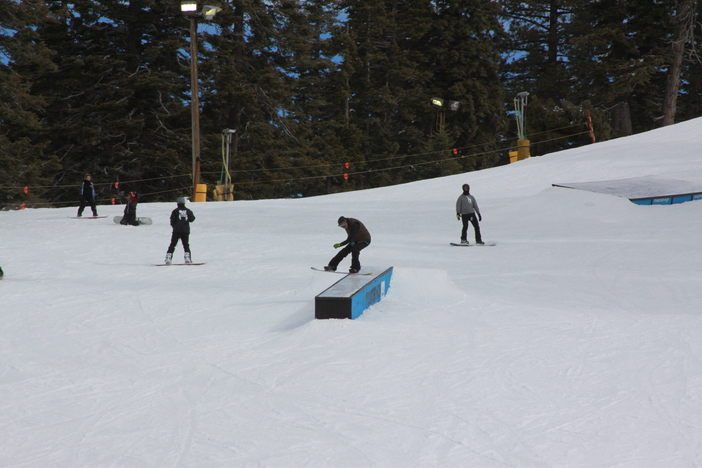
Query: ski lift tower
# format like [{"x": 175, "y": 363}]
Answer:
[
  {"x": 520, "y": 104},
  {"x": 225, "y": 187}
]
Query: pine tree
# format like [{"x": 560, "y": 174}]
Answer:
[
  {"x": 24, "y": 160},
  {"x": 244, "y": 89},
  {"x": 684, "y": 22},
  {"x": 539, "y": 39},
  {"x": 404, "y": 54},
  {"x": 619, "y": 54},
  {"x": 539, "y": 62},
  {"x": 315, "y": 109},
  {"x": 115, "y": 101},
  {"x": 466, "y": 63}
]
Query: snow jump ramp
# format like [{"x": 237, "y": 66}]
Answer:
[
  {"x": 352, "y": 295},
  {"x": 647, "y": 190}
]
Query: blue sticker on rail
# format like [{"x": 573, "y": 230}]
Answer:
[{"x": 371, "y": 293}]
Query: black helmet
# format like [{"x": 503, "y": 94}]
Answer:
[{"x": 340, "y": 220}]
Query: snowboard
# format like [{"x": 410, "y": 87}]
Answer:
[
  {"x": 473, "y": 244},
  {"x": 340, "y": 272},
  {"x": 141, "y": 220},
  {"x": 87, "y": 217},
  {"x": 178, "y": 264}
]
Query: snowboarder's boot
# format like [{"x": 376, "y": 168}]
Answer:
[
  {"x": 169, "y": 258},
  {"x": 328, "y": 268},
  {"x": 464, "y": 241},
  {"x": 187, "y": 258},
  {"x": 353, "y": 270}
]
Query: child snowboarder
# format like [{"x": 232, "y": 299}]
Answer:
[
  {"x": 87, "y": 195},
  {"x": 466, "y": 211},
  {"x": 181, "y": 218},
  {"x": 131, "y": 200},
  {"x": 358, "y": 239}
]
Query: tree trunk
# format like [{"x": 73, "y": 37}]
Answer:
[
  {"x": 621, "y": 118},
  {"x": 684, "y": 21}
]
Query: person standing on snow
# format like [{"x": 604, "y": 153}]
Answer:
[
  {"x": 358, "y": 238},
  {"x": 87, "y": 195},
  {"x": 466, "y": 211},
  {"x": 181, "y": 218}
]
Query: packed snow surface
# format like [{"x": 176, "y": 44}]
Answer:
[{"x": 575, "y": 342}]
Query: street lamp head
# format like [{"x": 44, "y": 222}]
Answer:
[
  {"x": 188, "y": 7},
  {"x": 191, "y": 8},
  {"x": 208, "y": 11},
  {"x": 437, "y": 102},
  {"x": 229, "y": 131}
]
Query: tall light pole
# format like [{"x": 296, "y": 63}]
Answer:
[
  {"x": 191, "y": 9},
  {"x": 439, "y": 103}
]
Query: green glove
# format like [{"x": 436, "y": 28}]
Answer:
[
  {"x": 458, "y": 216},
  {"x": 336, "y": 246}
]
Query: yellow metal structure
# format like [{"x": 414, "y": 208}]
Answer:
[
  {"x": 200, "y": 193},
  {"x": 523, "y": 149},
  {"x": 220, "y": 194}
]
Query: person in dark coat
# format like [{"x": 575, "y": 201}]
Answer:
[
  {"x": 467, "y": 211},
  {"x": 87, "y": 195},
  {"x": 181, "y": 218},
  {"x": 131, "y": 199},
  {"x": 358, "y": 238}
]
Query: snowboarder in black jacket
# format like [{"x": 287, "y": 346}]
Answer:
[
  {"x": 358, "y": 238},
  {"x": 87, "y": 195},
  {"x": 181, "y": 218}
]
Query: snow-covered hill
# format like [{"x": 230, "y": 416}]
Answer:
[{"x": 575, "y": 342}]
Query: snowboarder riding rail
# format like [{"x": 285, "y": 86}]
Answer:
[{"x": 358, "y": 239}]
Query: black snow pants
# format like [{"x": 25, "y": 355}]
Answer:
[
  {"x": 354, "y": 250},
  {"x": 473, "y": 219},
  {"x": 88, "y": 201},
  {"x": 130, "y": 216},
  {"x": 184, "y": 237}
]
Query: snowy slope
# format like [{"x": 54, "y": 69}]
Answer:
[{"x": 575, "y": 342}]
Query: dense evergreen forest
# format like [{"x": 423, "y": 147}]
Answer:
[{"x": 318, "y": 89}]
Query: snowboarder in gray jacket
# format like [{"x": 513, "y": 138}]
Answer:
[{"x": 467, "y": 211}]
